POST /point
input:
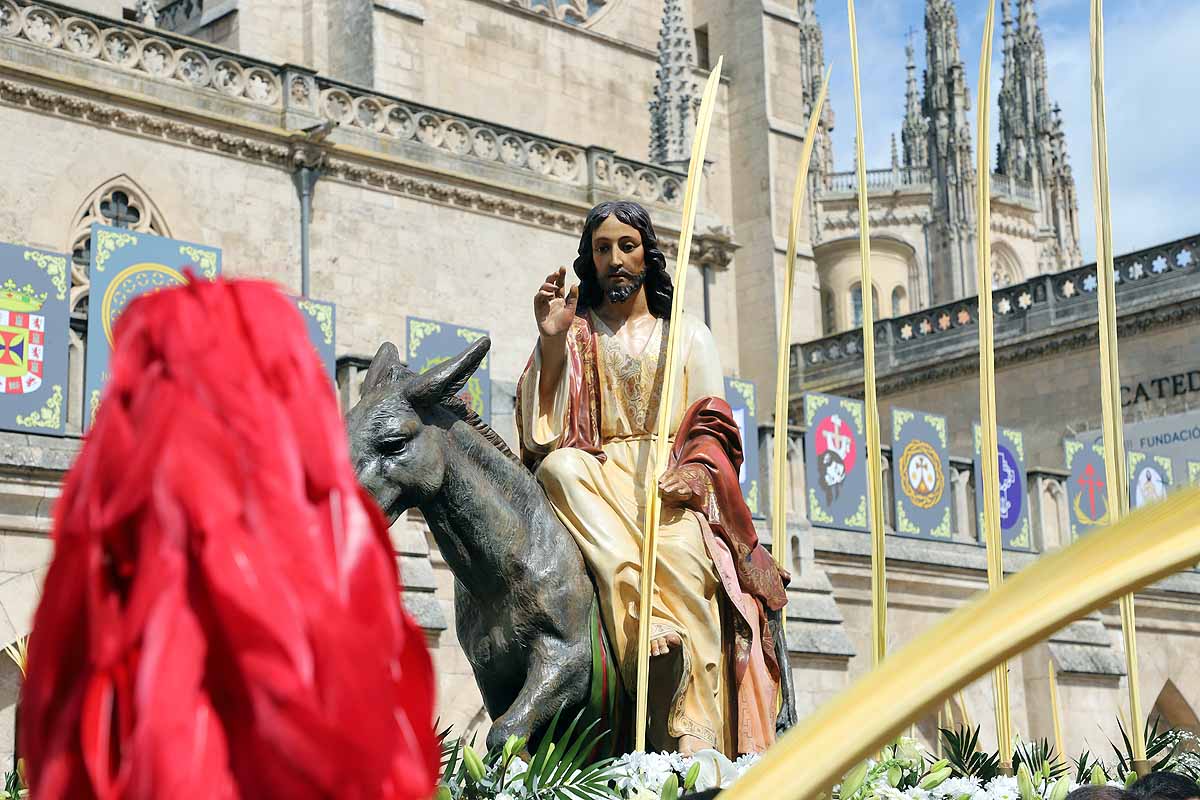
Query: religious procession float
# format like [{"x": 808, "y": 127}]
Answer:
[{"x": 221, "y": 617}]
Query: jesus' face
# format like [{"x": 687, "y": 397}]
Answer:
[{"x": 619, "y": 258}]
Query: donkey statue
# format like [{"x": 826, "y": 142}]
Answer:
[{"x": 524, "y": 606}]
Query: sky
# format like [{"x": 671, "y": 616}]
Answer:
[{"x": 1152, "y": 82}]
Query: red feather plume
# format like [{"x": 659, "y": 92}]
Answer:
[{"x": 222, "y": 616}]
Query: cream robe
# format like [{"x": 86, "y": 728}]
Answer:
[{"x": 604, "y": 507}]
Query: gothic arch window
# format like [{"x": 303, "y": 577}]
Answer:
[
  {"x": 121, "y": 203},
  {"x": 1006, "y": 267},
  {"x": 856, "y": 303},
  {"x": 899, "y": 301}
]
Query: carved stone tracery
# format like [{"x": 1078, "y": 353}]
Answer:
[{"x": 574, "y": 12}]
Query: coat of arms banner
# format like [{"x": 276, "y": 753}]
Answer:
[
  {"x": 835, "y": 464},
  {"x": 1150, "y": 478},
  {"x": 431, "y": 342},
  {"x": 321, "y": 320},
  {"x": 34, "y": 330},
  {"x": 1087, "y": 493},
  {"x": 125, "y": 265},
  {"x": 921, "y": 474},
  {"x": 743, "y": 400},
  {"x": 1014, "y": 501}
]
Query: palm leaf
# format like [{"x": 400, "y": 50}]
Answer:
[
  {"x": 961, "y": 750},
  {"x": 1165, "y": 743},
  {"x": 1084, "y": 765},
  {"x": 1034, "y": 754},
  {"x": 18, "y": 651},
  {"x": 559, "y": 769}
]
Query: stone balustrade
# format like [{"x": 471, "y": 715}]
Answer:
[
  {"x": 155, "y": 54},
  {"x": 950, "y": 328},
  {"x": 899, "y": 178},
  {"x": 646, "y": 183},
  {"x": 1011, "y": 187},
  {"x": 877, "y": 180},
  {"x": 596, "y": 169}
]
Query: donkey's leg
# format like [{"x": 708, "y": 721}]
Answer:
[
  {"x": 788, "y": 717},
  {"x": 558, "y": 678}
]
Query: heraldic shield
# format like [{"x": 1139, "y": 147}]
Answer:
[
  {"x": 1014, "y": 502},
  {"x": 920, "y": 474},
  {"x": 834, "y": 466},
  {"x": 22, "y": 338},
  {"x": 34, "y": 325}
]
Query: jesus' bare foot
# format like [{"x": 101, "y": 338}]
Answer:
[{"x": 663, "y": 644}]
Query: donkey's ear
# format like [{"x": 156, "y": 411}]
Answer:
[
  {"x": 384, "y": 366},
  {"x": 448, "y": 378}
]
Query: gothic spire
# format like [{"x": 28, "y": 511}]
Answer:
[
  {"x": 1032, "y": 148},
  {"x": 1011, "y": 147},
  {"x": 1026, "y": 15},
  {"x": 946, "y": 106},
  {"x": 914, "y": 134},
  {"x": 676, "y": 99},
  {"x": 812, "y": 73}
]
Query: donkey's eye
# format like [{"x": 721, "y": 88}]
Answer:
[{"x": 393, "y": 447}]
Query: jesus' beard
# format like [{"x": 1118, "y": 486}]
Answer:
[{"x": 619, "y": 293}]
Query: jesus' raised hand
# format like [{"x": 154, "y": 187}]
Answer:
[{"x": 553, "y": 308}]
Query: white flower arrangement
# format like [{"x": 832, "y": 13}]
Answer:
[{"x": 904, "y": 770}]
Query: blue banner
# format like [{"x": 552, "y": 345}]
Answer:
[
  {"x": 321, "y": 320},
  {"x": 921, "y": 474},
  {"x": 1014, "y": 501},
  {"x": 34, "y": 335},
  {"x": 742, "y": 398},
  {"x": 431, "y": 342},
  {"x": 1150, "y": 478},
  {"x": 125, "y": 265},
  {"x": 835, "y": 463},
  {"x": 1087, "y": 488}
]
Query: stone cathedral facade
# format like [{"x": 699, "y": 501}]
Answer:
[{"x": 457, "y": 146}]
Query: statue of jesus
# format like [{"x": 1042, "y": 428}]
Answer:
[{"x": 587, "y": 406}]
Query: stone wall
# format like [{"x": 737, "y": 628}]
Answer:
[{"x": 495, "y": 61}]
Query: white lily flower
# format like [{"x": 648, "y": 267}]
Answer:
[{"x": 716, "y": 771}]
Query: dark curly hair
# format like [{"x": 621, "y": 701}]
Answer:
[
  {"x": 1165, "y": 786},
  {"x": 659, "y": 289}
]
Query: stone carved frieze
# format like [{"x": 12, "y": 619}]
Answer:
[
  {"x": 201, "y": 136},
  {"x": 135, "y": 49},
  {"x": 574, "y": 12}
]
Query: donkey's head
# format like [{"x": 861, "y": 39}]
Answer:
[{"x": 399, "y": 427}]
